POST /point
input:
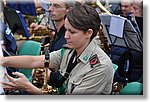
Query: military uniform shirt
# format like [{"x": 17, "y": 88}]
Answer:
[{"x": 92, "y": 75}]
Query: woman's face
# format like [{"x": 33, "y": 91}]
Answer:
[{"x": 76, "y": 39}]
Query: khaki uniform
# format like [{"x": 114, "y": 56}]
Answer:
[{"x": 92, "y": 75}]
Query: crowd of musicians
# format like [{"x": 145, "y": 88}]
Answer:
[{"x": 75, "y": 56}]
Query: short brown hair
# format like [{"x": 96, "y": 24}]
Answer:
[{"x": 84, "y": 17}]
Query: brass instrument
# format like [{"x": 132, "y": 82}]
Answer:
[
  {"x": 102, "y": 35},
  {"x": 43, "y": 84},
  {"x": 98, "y": 4},
  {"x": 117, "y": 86},
  {"x": 46, "y": 88},
  {"x": 39, "y": 10},
  {"x": 35, "y": 80},
  {"x": 36, "y": 35},
  {"x": 103, "y": 40},
  {"x": 40, "y": 31}
]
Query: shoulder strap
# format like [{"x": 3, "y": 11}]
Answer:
[
  {"x": 71, "y": 65},
  {"x": 62, "y": 52}
]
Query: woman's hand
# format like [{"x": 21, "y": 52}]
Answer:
[{"x": 20, "y": 83}]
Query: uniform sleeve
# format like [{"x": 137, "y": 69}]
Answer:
[
  {"x": 94, "y": 82},
  {"x": 55, "y": 59}
]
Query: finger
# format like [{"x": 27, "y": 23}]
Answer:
[
  {"x": 8, "y": 85},
  {"x": 8, "y": 88},
  {"x": 9, "y": 77},
  {"x": 18, "y": 74},
  {"x": 53, "y": 33},
  {"x": 33, "y": 25}
]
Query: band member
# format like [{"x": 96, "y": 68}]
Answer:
[
  {"x": 82, "y": 65},
  {"x": 57, "y": 11},
  {"x": 120, "y": 55}
]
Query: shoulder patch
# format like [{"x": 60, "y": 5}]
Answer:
[{"x": 94, "y": 60}]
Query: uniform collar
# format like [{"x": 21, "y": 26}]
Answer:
[{"x": 86, "y": 54}]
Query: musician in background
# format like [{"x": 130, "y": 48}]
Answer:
[
  {"x": 42, "y": 18},
  {"x": 83, "y": 66},
  {"x": 138, "y": 12},
  {"x": 58, "y": 10},
  {"x": 120, "y": 55},
  {"x": 128, "y": 9},
  {"x": 138, "y": 8}
]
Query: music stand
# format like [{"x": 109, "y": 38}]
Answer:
[
  {"x": 16, "y": 22},
  {"x": 120, "y": 32},
  {"x": 25, "y": 7}
]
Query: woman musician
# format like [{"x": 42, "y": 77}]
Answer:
[{"x": 82, "y": 65}]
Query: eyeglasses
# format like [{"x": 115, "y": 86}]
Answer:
[{"x": 56, "y": 6}]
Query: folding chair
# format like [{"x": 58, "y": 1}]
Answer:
[{"x": 29, "y": 48}]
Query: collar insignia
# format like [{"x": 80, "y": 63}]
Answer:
[{"x": 86, "y": 57}]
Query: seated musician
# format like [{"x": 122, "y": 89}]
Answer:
[
  {"x": 83, "y": 67},
  {"x": 128, "y": 9},
  {"x": 119, "y": 55},
  {"x": 57, "y": 11}
]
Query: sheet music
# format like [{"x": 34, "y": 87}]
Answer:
[
  {"x": 2, "y": 72},
  {"x": 116, "y": 23},
  {"x": 128, "y": 39}
]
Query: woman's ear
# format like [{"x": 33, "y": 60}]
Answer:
[{"x": 89, "y": 33}]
